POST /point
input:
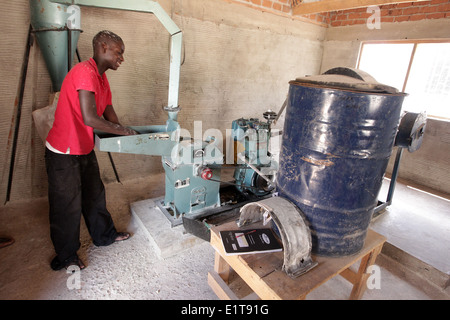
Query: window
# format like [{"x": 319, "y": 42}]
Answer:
[{"x": 420, "y": 68}]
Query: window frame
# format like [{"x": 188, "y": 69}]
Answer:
[{"x": 415, "y": 43}]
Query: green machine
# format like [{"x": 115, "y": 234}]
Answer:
[
  {"x": 257, "y": 170},
  {"x": 193, "y": 167}
]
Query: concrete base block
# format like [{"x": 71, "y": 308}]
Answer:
[{"x": 167, "y": 241}]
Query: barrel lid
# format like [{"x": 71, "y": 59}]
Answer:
[{"x": 346, "y": 79}]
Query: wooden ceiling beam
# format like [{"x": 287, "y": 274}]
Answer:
[{"x": 336, "y": 5}]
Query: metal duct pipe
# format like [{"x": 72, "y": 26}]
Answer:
[{"x": 57, "y": 29}]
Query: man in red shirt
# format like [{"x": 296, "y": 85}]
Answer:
[{"x": 74, "y": 183}]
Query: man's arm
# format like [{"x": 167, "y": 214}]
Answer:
[
  {"x": 110, "y": 115},
  {"x": 90, "y": 117}
]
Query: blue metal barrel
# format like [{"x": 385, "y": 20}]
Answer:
[{"x": 337, "y": 140}]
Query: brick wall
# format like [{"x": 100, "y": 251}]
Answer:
[
  {"x": 407, "y": 11},
  {"x": 275, "y": 5},
  {"x": 284, "y": 8}
]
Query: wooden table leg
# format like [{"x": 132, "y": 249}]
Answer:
[
  {"x": 221, "y": 267},
  {"x": 362, "y": 276}
]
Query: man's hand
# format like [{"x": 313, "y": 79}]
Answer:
[
  {"x": 110, "y": 122},
  {"x": 130, "y": 132}
]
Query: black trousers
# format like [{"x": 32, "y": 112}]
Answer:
[{"x": 74, "y": 189}]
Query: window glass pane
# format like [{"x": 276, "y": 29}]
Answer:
[
  {"x": 428, "y": 84},
  {"x": 387, "y": 63}
]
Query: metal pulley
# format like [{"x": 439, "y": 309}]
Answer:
[
  {"x": 411, "y": 131},
  {"x": 270, "y": 116}
]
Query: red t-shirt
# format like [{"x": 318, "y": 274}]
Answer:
[{"x": 69, "y": 130}]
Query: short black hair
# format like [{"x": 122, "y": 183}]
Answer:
[{"x": 106, "y": 36}]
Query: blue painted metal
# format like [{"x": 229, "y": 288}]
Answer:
[
  {"x": 254, "y": 136},
  {"x": 186, "y": 191},
  {"x": 335, "y": 150},
  {"x": 155, "y": 140}
]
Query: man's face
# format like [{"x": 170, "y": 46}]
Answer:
[{"x": 114, "y": 54}]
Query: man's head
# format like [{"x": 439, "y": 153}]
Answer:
[{"x": 108, "y": 49}]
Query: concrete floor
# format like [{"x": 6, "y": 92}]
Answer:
[{"x": 415, "y": 264}]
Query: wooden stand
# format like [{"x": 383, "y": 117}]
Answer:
[{"x": 235, "y": 277}]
